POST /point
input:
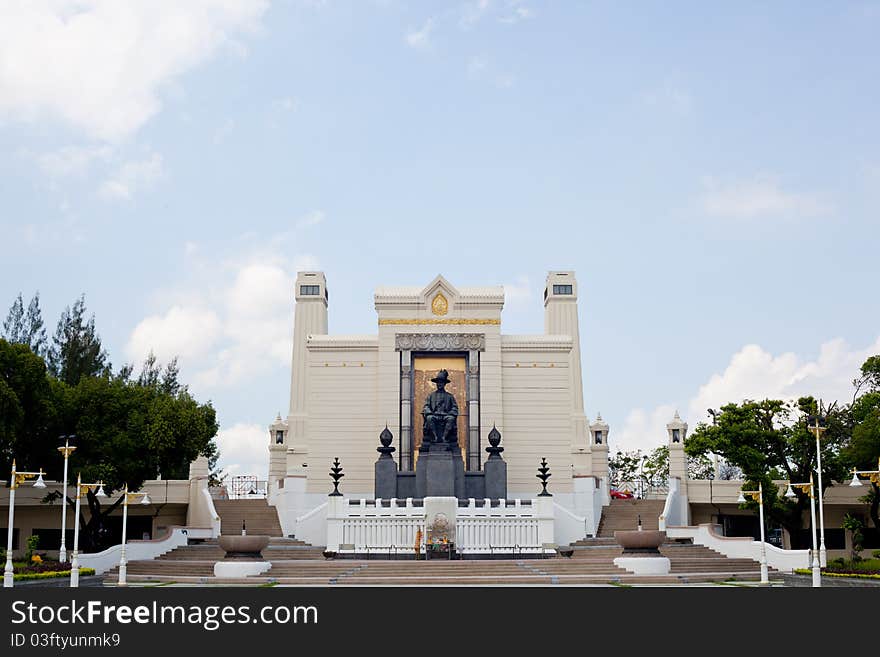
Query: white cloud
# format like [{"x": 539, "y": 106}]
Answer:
[
  {"x": 479, "y": 67},
  {"x": 518, "y": 293},
  {"x": 285, "y": 105},
  {"x": 516, "y": 11},
  {"x": 185, "y": 332},
  {"x": 753, "y": 373},
  {"x": 224, "y": 130},
  {"x": 72, "y": 160},
  {"x": 760, "y": 196},
  {"x": 669, "y": 97},
  {"x": 243, "y": 450},
  {"x": 132, "y": 177},
  {"x": 311, "y": 219},
  {"x": 642, "y": 430},
  {"x": 100, "y": 65},
  {"x": 420, "y": 38},
  {"x": 472, "y": 13},
  {"x": 232, "y": 327}
]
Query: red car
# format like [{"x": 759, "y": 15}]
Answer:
[{"x": 621, "y": 494}]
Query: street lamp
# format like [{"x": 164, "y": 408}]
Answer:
[
  {"x": 758, "y": 496},
  {"x": 66, "y": 451},
  {"x": 15, "y": 481},
  {"x": 818, "y": 429},
  {"x": 807, "y": 488},
  {"x": 873, "y": 475},
  {"x": 74, "y": 565},
  {"x": 122, "y": 563}
]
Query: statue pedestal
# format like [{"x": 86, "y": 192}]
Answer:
[{"x": 440, "y": 473}]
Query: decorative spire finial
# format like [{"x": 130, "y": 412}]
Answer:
[
  {"x": 336, "y": 475},
  {"x": 544, "y": 475}
]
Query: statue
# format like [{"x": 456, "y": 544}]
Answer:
[{"x": 440, "y": 414}]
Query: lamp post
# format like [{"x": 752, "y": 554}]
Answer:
[
  {"x": 807, "y": 487},
  {"x": 873, "y": 475},
  {"x": 818, "y": 429},
  {"x": 66, "y": 451},
  {"x": 758, "y": 496},
  {"x": 15, "y": 481},
  {"x": 74, "y": 565},
  {"x": 122, "y": 562}
]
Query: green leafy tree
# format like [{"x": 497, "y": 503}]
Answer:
[
  {"x": 769, "y": 440},
  {"x": 76, "y": 349},
  {"x": 623, "y": 468},
  {"x": 28, "y": 408},
  {"x": 854, "y": 526},
  {"x": 655, "y": 471},
  {"x": 127, "y": 430},
  {"x": 863, "y": 451}
]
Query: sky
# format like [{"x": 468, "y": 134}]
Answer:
[{"x": 710, "y": 172}]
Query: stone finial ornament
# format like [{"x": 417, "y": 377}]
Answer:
[
  {"x": 336, "y": 475},
  {"x": 544, "y": 475},
  {"x": 494, "y": 448}
]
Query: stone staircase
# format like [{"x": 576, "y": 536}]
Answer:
[
  {"x": 296, "y": 564},
  {"x": 196, "y": 561},
  {"x": 624, "y": 514},
  {"x": 260, "y": 518}
]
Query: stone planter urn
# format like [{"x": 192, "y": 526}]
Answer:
[
  {"x": 641, "y": 555},
  {"x": 244, "y": 556}
]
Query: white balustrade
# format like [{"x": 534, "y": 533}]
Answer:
[{"x": 384, "y": 526}]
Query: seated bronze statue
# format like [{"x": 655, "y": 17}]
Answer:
[{"x": 440, "y": 414}]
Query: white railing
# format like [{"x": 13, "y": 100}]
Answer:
[
  {"x": 138, "y": 550},
  {"x": 570, "y": 527},
  {"x": 208, "y": 501},
  {"x": 312, "y": 527},
  {"x": 361, "y": 526},
  {"x": 742, "y": 547}
]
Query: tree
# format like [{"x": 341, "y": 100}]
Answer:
[
  {"x": 13, "y": 325},
  {"x": 863, "y": 451},
  {"x": 76, "y": 346},
  {"x": 26, "y": 327},
  {"x": 28, "y": 409},
  {"x": 623, "y": 468},
  {"x": 127, "y": 431},
  {"x": 769, "y": 440},
  {"x": 656, "y": 469}
]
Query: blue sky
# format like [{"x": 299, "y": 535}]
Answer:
[{"x": 712, "y": 174}]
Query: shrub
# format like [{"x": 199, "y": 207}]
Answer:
[
  {"x": 32, "y": 542},
  {"x": 51, "y": 574}
]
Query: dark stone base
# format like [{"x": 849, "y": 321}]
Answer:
[{"x": 440, "y": 473}]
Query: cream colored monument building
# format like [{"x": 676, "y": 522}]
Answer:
[{"x": 345, "y": 389}]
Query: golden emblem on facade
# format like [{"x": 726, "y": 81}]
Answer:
[{"x": 439, "y": 306}]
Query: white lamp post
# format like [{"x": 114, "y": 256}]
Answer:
[
  {"x": 807, "y": 487},
  {"x": 15, "y": 481},
  {"x": 122, "y": 562},
  {"x": 818, "y": 429},
  {"x": 66, "y": 451},
  {"x": 873, "y": 475},
  {"x": 758, "y": 496},
  {"x": 74, "y": 565}
]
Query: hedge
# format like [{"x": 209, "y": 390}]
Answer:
[
  {"x": 51, "y": 574},
  {"x": 805, "y": 571}
]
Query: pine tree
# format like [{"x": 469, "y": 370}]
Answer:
[
  {"x": 27, "y": 328},
  {"x": 76, "y": 347},
  {"x": 13, "y": 325},
  {"x": 34, "y": 330}
]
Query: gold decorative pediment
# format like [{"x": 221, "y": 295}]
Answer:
[{"x": 440, "y": 305}]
